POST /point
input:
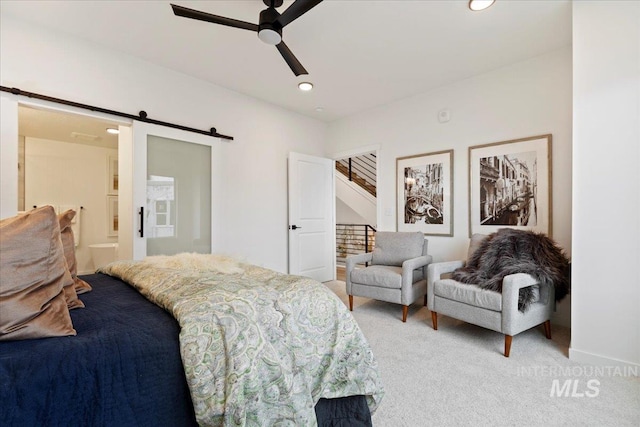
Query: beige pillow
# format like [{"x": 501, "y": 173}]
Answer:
[
  {"x": 33, "y": 272},
  {"x": 69, "y": 245}
]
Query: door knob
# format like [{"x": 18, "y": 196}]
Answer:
[{"x": 294, "y": 227}]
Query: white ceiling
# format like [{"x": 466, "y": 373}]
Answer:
[
  {"x": 74, "y": 128},
  {"x": 359, "y": 54}
]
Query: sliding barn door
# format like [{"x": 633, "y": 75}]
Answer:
[{"x": 172, "y": 197}]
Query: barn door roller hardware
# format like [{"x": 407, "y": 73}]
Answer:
[{"x": 142, "y": 115}]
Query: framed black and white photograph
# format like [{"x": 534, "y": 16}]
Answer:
[
  {"x": 424, "y": 193},
  {"x": 510, "y": 185}
]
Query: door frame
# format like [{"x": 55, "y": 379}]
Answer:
[
  {"x": 9, "y": 111},
  {"x": 9, "y": 148},
  {"x": 292, "y": 234}
]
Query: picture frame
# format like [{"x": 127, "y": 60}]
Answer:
[
  {"x": 112, "y": 174},
  {"x": 112, "y": 216},
  {"x": 510, "y": 185},
  {"x": 424, "y": 193}
]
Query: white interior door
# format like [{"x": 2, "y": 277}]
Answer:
[
  {"x": 172, "y": 191},
  {"x": 312, "y": 217}
]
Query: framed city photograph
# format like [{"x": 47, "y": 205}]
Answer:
[
  {"x": 510, "y": 185},
  {"x": 424, "y": 193}
]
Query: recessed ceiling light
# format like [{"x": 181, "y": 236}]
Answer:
[
  {"x": 319, "y": 109},
  {"x": 113, "y": 131},
  {"x": 305, "y": 86},
  {"x": 478, "y": 5}
]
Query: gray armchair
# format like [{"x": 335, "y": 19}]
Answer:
[
  {"x": 397, "y": 272},
  {"x": 489, "y": 309}
]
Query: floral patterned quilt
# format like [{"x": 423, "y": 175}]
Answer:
[{"x": 258, "y": 347}]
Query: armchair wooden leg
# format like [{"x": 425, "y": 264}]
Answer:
[
  {"x": 405, "y": 310},
  {"x": 434, "y": 320},
  {"x": 350, "y": 302},
  {"x": 507, "y": 345},
  {"x": 547, "y": 329}
]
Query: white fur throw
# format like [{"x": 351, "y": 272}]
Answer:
[{"x": 194, "y": 261}]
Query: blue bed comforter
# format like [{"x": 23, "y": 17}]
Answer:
[{"x": 122, "y": 369}]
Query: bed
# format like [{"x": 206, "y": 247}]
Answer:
[
  {"x": 136, "y": 359},
  {"x": 122, "y": 368}
]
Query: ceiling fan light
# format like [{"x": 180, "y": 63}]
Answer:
[
  {"x": 478, "y": 5},
  {"x": 305, "y": 86},
  {"x": 269, "y": 36}
]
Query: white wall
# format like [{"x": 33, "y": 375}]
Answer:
[
  {"x": 525, "y": 99},
  {"x": 356, "y": 205},
  {"x": 606, "y": 196},
  {"x": 346, "y": 215},
  {"x": 62, "y": 173},
  {"x": 251, "y": 204}
]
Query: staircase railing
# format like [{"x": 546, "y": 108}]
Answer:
[
  {"x": 353, "y": 239},
  {"x": 361, "y": 170}
]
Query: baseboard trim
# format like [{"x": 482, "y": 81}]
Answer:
[
  {"x": 587, "y": 358},
  {"x": 82, "y": 273}
]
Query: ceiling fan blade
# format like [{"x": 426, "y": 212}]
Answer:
[
  {"x": 296, "y": 10},
  {"x": 185, "y": 12},
  {"x": 291, "y": 60}
]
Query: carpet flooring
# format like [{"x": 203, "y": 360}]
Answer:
[{"x": 458, "y": 376}]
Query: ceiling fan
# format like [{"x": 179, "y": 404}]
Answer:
[{"x": 269, "y": 29}]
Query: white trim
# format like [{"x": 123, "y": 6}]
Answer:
[
  {"x": 145, "y": 128},
  {"x": 125, "y": 192},
  {"x": 355, "y": 152},
  {"x": 40, "y": 104},
  {"x": 596, "y": 359}
]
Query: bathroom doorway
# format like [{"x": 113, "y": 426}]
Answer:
[{"x": 70, "y": 161}]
